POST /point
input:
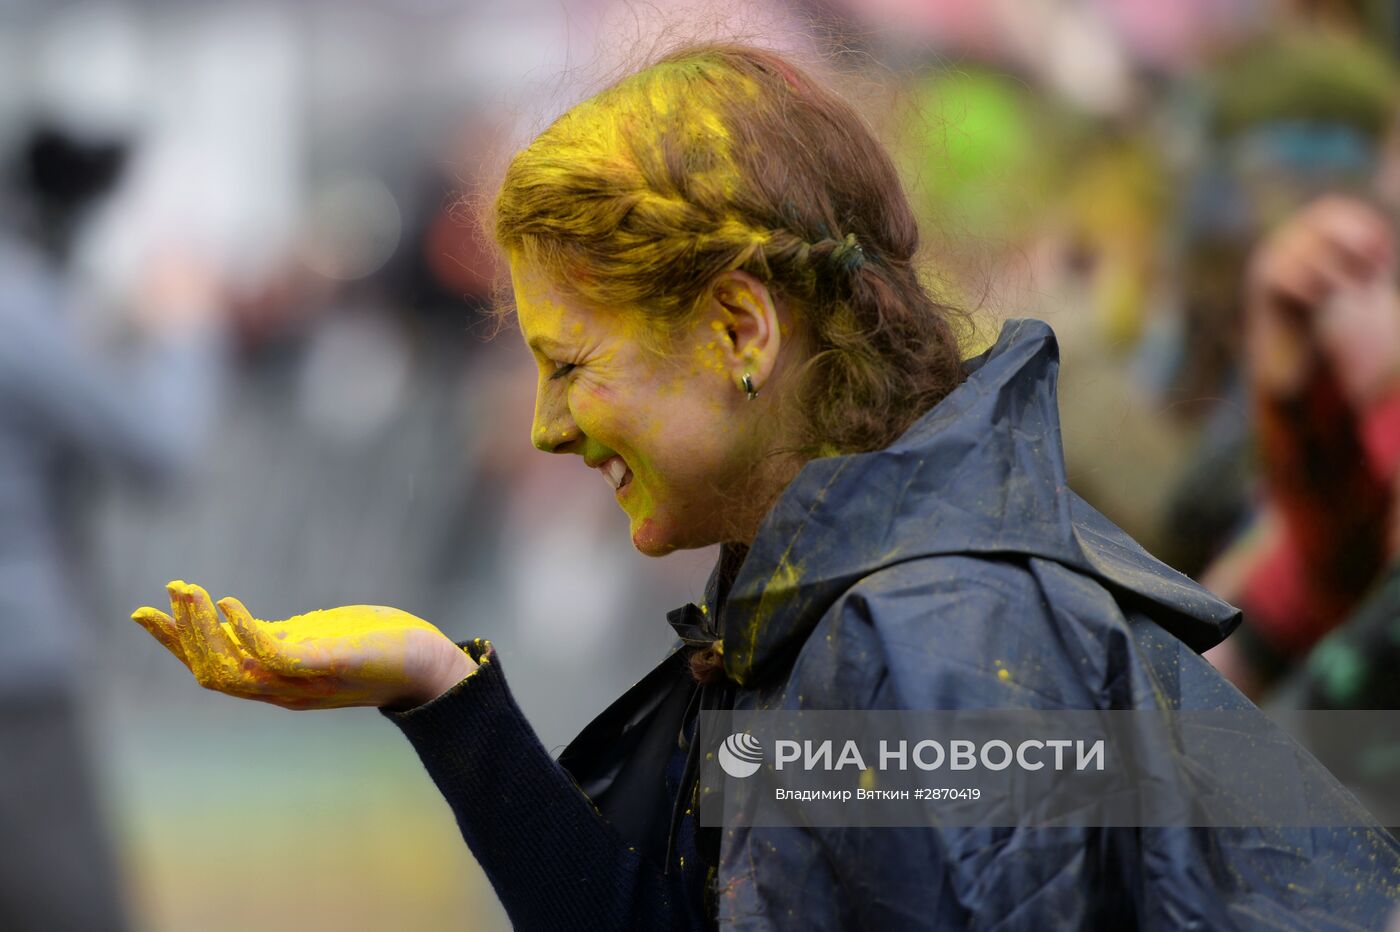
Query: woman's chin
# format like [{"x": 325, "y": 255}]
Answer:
[
  {"x": 656, "y": 536},
  {"x": 649, "y": 536}
]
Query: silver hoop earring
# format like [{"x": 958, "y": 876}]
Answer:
[{"x": 748, "y": 387}]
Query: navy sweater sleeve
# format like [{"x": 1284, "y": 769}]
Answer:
[{"x": 552, "y": 859}]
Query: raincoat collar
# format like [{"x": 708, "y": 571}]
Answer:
[
  {"x": 981, "y": 472},
  {"x": 615, "y": 760}
]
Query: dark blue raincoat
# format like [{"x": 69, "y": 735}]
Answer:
[
  {"x": 952, "y": 570},
  {"x": 907, "y": 578}
]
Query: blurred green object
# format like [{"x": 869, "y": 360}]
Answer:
[
  {"x": 969, "y": 160},
  {"x": 1357, "y": 666},
  {"x": 1313, "y": 77}
]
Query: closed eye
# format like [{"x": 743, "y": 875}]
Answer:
[{"x": 563, "y": 370}]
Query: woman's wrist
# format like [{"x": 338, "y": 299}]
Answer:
[{"x": 447, "y": 669}]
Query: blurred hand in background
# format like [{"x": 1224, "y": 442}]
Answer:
[
  {"x": 1321, "y": 291},
  {"x": 1322, "y": 355}
]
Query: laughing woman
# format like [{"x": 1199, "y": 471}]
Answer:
[{"x": 714, "y": 268}]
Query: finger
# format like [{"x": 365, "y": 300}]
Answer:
[
  {"x": 1351, "y": 262},
  {"x": 1307, "y": 273},
  {"x": 1361, "y": 234},
  {"x": 190, "y": 639},
  {"x": 220, "y": 658},
  {"x": 1281, "y": 267},
  {"x": 199, "y": 614},
  {"x": 161, "y": 627},
  {"x": 257, "y": 641},
  {"x": 1324, "y": 273}
]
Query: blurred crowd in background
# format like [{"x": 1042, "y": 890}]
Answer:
[{"x": 246, "y": 340}]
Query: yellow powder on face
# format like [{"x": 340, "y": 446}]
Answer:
[{"x": 710, "y": 357}]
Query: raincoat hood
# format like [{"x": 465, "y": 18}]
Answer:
[{"x": 982, "y": 472}]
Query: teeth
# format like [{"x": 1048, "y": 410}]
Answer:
[{"x": 616, "y": 470}]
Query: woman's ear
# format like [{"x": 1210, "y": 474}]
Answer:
[{"x": 749, "y": 322}]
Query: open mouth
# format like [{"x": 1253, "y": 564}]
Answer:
[{"x": 616, "y": 472}]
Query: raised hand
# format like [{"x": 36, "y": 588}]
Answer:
[
  {"x": 1305, "y": 282},
  {"x": 355, "y": 655}
]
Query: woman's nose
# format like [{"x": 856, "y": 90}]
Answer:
[{"x": 554, "y": 430}]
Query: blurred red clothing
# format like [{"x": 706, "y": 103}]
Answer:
[{"x": 1331, "y": 476}]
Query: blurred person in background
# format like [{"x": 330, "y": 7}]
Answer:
[
  {"x": 1318, "y": 573},
  {"x": 1322, "y": 341},
  {"x": 72, "y": 403},
  {"x": 1287, "y": 269},
  {"x": 1355, "y": 666},
  {"x": 1296, "y": 113}
]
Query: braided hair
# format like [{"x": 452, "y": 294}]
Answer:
[{"x": 723, "y": 157}]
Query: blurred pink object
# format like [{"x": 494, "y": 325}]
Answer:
[
  {"x": 1150, "y": 30},
  {"x": 969, "y": 25},
  {"x": 1171, "y": 33}
]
